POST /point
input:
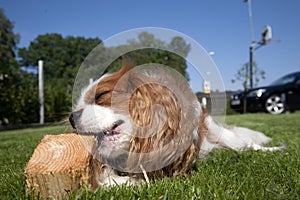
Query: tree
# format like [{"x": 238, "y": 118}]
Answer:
[
  {"x": 62, "y": 58},
  {"x": 11, "y": 76},
  {"x": 179, "y": 46},
  {"x": 243, "y": 75},
  {"x": 156, "y": 53}
]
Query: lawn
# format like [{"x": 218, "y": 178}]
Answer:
[{"x": 222, "y": 175}]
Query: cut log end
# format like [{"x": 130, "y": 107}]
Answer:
[{"x": 59, "y": 164}]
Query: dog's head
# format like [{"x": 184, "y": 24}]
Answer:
[{"x": 145, "y": 115}]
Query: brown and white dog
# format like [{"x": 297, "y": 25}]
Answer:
[{"x": 148, "y": 123}]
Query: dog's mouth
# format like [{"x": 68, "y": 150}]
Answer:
[{"x": 115, "y": 129}]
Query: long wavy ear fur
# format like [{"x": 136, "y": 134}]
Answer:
[
  {"x": 127, "y": 62},
  {"x": 158, "y": 110}
]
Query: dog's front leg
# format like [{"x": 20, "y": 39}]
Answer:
[{"x": 109, "y": 177}]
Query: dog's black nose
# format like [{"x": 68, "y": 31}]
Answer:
[
  {"x": 74, "y": 118},
  {"x": 72, "y": 121}
]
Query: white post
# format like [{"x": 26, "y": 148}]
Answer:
[
  {"x": 41, "y": 91},
  {"x": 204, "y": 102}
]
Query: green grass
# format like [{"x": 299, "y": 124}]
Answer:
[{"x": 222, "y": 175}]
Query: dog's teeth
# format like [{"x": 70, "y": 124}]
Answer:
[
  {"x": 111, "y": 131},
  {"x": 106, "y": 132}
]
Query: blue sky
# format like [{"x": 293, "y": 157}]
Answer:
[{"x": 219, "y": 26}]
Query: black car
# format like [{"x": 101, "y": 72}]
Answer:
[{"x": 280, "y": 96}]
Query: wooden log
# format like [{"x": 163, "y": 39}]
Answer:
[{"x": 59, "y": 164}]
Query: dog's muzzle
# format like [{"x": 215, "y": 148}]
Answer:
[{"x": 74, "y": 118}]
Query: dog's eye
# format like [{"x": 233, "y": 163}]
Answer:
[{"x": 100, "y": 96}]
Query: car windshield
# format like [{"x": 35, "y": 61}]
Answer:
[{"x": 285, "y": 80}]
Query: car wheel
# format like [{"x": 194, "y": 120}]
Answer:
[{"x": 275, "y": 104}]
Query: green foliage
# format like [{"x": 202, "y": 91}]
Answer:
[
  {"x": 17, "y": 87},
  {"x": 62, "y": 58},
  {"x": 222, "y": 175},
  {"x": 8, "y": 39},
  {"x": 172, "y": 54},
  {"x": 243, "y": 75}
]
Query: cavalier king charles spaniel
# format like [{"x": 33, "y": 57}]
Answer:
[{"x": 148, "y": 123}]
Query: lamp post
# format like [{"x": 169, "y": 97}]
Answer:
[
  {"x": 266, "y": 37},
  {"x": 251, "y": 49},
  {"x": 211, "y": 53}
]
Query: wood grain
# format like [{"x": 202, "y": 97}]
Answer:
[{"x": 59, "y": 164}]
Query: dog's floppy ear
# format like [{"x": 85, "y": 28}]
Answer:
[{"x": 165, "y": 113}]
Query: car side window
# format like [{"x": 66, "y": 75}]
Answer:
[
  {"x": 298, "y": 84},
  {"x": 298, "y": 81}
]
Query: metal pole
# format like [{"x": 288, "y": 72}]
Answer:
[
  {"x": 41, "y": 91},
  {"x": 251, "y": 66},
  {"x": 245, "y": 88},
  {"x": 250, "y": 19}
]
